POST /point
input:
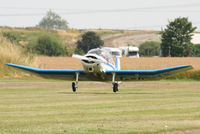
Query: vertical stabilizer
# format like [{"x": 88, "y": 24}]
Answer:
[{"x": 117, "y": 64}]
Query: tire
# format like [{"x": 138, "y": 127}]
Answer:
[
  {"x": 115, "y": 87},
  {"x": 73, "y": 87}
]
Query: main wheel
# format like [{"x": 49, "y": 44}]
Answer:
[
  {"x": 115, "y": 87},
  {"x": 73, "y": 87}
]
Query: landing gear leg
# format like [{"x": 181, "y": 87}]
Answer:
[
  {"x": 75, "y": 85},
  {"x": 115, "y": 84}
]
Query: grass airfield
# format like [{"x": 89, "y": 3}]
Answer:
[{"x": 50, "y": 107}]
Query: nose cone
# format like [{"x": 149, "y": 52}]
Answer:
[
  {"x": 91, "y": 59},
  {"x": 91, "y": 65}
]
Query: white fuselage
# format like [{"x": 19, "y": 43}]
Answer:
[{"x": 97, "y": 64}]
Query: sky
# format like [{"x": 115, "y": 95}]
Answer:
[{"x": 101, "y": 14}]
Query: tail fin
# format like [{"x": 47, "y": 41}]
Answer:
[{"x": 117, "y": 64}]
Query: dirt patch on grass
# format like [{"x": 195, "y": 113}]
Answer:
[{"x": 134, "y": 38}]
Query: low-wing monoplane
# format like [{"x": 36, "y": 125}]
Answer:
[{"x": 98, "y": 65}]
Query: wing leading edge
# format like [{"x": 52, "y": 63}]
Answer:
[
  {"x": 50, "y": 73},
  {"x": 121, "y": 75},
  {"x": 147, "y": 74}
]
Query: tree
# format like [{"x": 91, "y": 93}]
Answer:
[
  {"x": 196, "y": 50},
  {"x": 48, "y": 45},
  {"x": 89, "y": 41},
  {"x": 150, "y": 48},
  {"x": 53, "y": 21},
  {"x": 176, "y": 38}
]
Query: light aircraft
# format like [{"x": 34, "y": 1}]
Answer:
[{"x": 98, "y": 65}]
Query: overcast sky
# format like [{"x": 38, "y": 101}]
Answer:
[{"x": 110, "y": 14}]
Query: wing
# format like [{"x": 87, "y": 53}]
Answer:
[
  {"x": 130, "y": 75},
  {"x": 53, "y": 73}
]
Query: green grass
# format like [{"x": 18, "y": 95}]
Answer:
[
  {"x": 28, "y": 37},
  {"x": 138, "y": 108},
  {"x": 188, "y": 75}
]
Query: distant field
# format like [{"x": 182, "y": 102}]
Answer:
[
  {"x": 50, "y": 107},
  {"x": 113, "y": 38},
  {"x": 157, "y": 63},
  {"x": 126, "y": 63},
  {"x": 133, "y": 38}
]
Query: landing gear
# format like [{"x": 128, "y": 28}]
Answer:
[
  {"x": 75, "y": 85},
  {"x": 115, "y": 87},
  {"x": 115, "y": 84}
]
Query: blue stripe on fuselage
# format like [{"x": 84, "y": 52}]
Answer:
[
  {"x": 117, "y": 62},
  {"x": 110, "y": 66}
]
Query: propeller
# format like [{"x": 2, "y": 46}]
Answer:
[
  {"x": 89, "y": 59},
  {"x": 80, "y": 57}
]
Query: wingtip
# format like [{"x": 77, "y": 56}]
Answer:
[
  {"x": 185, "y": 66},
  {"x": 12, "y": 65},
  {"x": 7, "y": 64},
  {"x": 188, "y": 66}
]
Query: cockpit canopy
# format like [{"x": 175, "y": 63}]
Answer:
[{"x": 103, "y": 53}]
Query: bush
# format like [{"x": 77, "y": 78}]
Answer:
[
  {"x": 196, "y": 50},
  {"x": 150, "y": 48},
  {"x": 79, "y": 51},
  {"x": 89, "y": 41},
  {"x": 10, "y": 53},
  {"x": 47, "y": 45},
  {"x": 14, "y": 37}
]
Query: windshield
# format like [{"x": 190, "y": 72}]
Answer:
[{"x": 103, "y": 53}]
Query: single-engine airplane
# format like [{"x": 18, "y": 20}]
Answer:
[{"x": 98, "y": 65}]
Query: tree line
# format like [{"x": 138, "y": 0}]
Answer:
[{"x": 175, "y": 39}]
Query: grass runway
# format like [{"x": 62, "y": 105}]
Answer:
[{"x": 50, "y": 107}]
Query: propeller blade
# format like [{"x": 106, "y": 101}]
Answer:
[
  {"x": 88, "y": 58},
  {"x": 98, "y": 61},
  {"x": 79, "y": 57}
]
